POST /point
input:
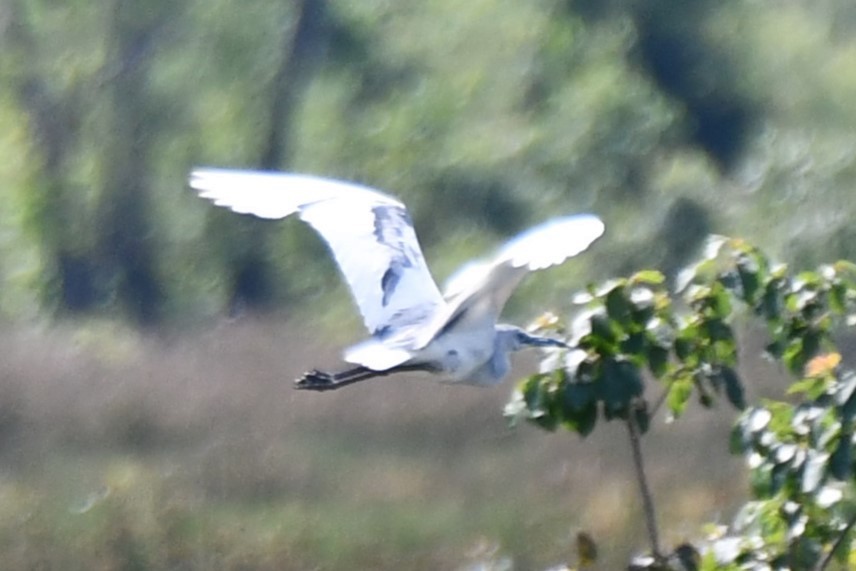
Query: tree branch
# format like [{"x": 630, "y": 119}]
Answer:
[
  {"x": 828, "y": 559},
  {"x": 660, "y": 400},
  {"x": 641, "y": 478}
]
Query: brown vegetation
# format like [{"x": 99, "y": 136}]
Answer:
[{"x": 192, "y": 451}]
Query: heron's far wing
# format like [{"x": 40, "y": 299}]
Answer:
[
  {"x": 551, "y": 243},
  {"x": 485, "y": 286},
  {"x": 369, "y": 233}
]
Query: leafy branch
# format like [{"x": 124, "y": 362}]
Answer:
[{"x": 633, "y": 332}]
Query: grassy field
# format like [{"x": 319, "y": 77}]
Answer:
[{"x": 191, "y": 451}]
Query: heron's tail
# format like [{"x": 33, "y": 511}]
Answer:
[{"x": 376, "y": 355}]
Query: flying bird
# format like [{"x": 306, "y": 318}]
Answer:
[{"x": 412, "y": 325}]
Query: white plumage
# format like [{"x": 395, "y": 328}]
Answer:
[{"x": 412, "y": 325}]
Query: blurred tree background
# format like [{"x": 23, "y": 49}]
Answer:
[{"x": 670, "y": 119}]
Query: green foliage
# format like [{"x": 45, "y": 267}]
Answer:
[
  {"x": 630, "y": 330},
  {"x": 800, "y": 453}
]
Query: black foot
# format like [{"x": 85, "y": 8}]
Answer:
[{"x": 316, "y": 381}]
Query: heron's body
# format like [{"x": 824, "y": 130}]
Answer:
[
  {"x": 464, "y": 353},
  {"x": 412, "y": 325}
]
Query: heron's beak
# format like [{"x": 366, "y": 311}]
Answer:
[{"x": 538, "y": 341}]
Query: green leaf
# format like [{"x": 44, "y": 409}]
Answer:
[
  {"x": 634, "y": 344},
  {"x": 841, "y": 461},
  {"x": 704, "y": 397},
  {"x": 601, "y": 330},
  {"x": 751, "y": 274},
  {"x": 758, "y": 419},
  {"x": 658, "y": 360},
  {"x": 739, "y": 440},
  {"x": 617, "y": 305},
  {"x": 807, "y": 278},
  {"x": 733, "y": 387},
  {"x": 716, "y": 329},
  {"x": 642, "y": 306},
  {"x": 812, "y": 387},
  {"x": 536, "y": 396},
  {"x": 680, "y": 391},
  {"x": 848, "y": 409},
  {"x": 713, "y": 245},
  {"x": 577, "y": 396},
  {"x": 581, "y": 421},
  {"x": 838, "y": 298},
  {"x": 610, "y": 285},
  {"x": 648, "y": 277},
  {"x": 621, "y": 382},
  {"x": 775, "y": 349},
  {"x": 720, "y": 302},
  {"x": 795, "y": 358},
  {"x": 687, "y": 343},
  {"x": 779, "y": 475},
  {"x": 770, "y": 305},
  {"x": 724, "y": 353},
  {"x": 813, "y": 471}
]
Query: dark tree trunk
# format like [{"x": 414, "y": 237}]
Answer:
[
  {"x": 126, "y": 239},
  {"x": 55, "y": 130},
  {"x": 292, "y": 77},
  {"x": 252, "y": 286}
]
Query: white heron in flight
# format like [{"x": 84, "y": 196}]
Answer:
[{"x": 413, "y": 326}]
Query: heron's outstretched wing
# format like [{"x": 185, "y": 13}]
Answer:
[
  {"x": 481, "y": 288},
  {"x": 370, "y": 234}
]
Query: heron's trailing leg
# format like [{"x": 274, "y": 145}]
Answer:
[{"x": 320, "y": 381}]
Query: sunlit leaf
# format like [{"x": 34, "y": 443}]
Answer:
[
  {"x": 713, "y": 245},
  {"x": 828, "y": 496},
  {"x": 608, "y": 286},
  {"x": 784, "y": 453},
  {"x": 685, "y": 278},
  {"x": 649, "y": 277},
  {"x": 814, "y": 470},
  {"x": 545, "y": 321},
  {"x": 758, "y": 419},
  {"x": 838, "y": 298},
  {"x": 795, "y": 358},
  {"x": 823, "y": 364},
  {"x": 680, "y": 391},
  {"x": 582, "y": 298}
]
